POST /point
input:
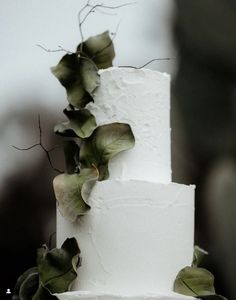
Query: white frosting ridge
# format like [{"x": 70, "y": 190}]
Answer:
[
  {"x": 141, "y": 98},
  {"x": 135, "y": 239}
]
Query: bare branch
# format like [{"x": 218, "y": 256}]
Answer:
[
  {"x": 92, "y": 9},
  {"x": 149, "y": 62},
  {"x": 31, "y": 147},
  {"x": 61, "y": 49},
  {"x": 42, "y": 147}
]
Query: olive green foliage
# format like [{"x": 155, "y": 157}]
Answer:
[
  {"x": 56, "y": 270},
  {"x": 87, "y": 155},
  {"x": 195, "y": 281}
]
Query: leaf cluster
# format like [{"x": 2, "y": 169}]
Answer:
[
  {"x": 56, "y": 270},
  {"x": 89, "y": 148},
  {"x": 196, "y": 281}
]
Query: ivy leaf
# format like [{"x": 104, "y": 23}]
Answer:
[
  {"x": 100, "y": 49},
  {"x": 58, "y": 267},
  {"x": 26, "y": 285},
  {"x": 212, "y": 297},
  {"x": 68, "y": 192},
  {"x": 198, "y": 256},
  {"x": 81, "y": 123},
  {"x": 193, "y": 281},
  {"x": 105, "y": 142},
  {"x": 79, "y": 77},
  {"x": 71, "y": 153},
  {"x": 89, "y": 74}
]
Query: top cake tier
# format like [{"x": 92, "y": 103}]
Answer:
[{"x": 141, "y": 98}]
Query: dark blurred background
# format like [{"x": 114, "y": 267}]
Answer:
[
  {"x": 203, "y": 137},
  {"x": 204, "y": 127}
]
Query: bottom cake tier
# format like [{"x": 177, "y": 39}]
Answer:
[{"x": 134, "y": 240}]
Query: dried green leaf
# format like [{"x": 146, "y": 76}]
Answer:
[
  {"x": 192, "y": 281},
  {"x": 73, "y": 73},
  {"x": 89, "y": 75},
  {"x": 68, "y": 192},
  {"x": 58, "y": 267},
  {"x": 198, "y": 256},
  {"x": 26, "y": 285},
  {"x": 81, "y": 123},
  {"x": 100, "y": 49},
  {"x": 105, "y": 142}
]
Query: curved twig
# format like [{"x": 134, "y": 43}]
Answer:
[
  {"x": 42, "y": 146},
  {"x": 149, "y": 62}
]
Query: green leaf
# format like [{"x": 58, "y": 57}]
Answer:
[
  {"x": 73, "y": 74},
  {"x": 193, "y": 281},
  {"x": 198, "y": 256},
  {"x": 71, "y": 153},
  {"x": 68, "y": 191},
  {"x": 100, "y": 49},
  {"x": 81, "y": 123},
  {"x": 105, "y": 142},
  {"x": 29, "y": 286},
  {"x": 26, "y": 281},
  {"x": 58, "y": 267},
  {"x": 89, "y": 75}
]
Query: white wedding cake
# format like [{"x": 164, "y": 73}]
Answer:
[{"x": 139, "y": 232}]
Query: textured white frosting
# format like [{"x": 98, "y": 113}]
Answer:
[
  {"x": 141, "y": 98},
  {"x": 139, "y": 232},
  {"x": 135, "y": 239},
  {"x": 92, "y": 296}
]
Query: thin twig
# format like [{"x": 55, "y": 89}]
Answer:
[
  {"x": 42, "y": 146},
  {"x": 54, "y": 50},
  {"x": 93, "y": 8},
  {"x": 149, "y": 62}
]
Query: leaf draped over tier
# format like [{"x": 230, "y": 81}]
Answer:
[
  {"x": 81, "y": 124},
  {"x": 79, "y": 76},
  {"x": 68, "y": 190},
  {"x": 105, "y": 143}
]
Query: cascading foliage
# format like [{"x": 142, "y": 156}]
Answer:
[{"x": 87, "y": 163}]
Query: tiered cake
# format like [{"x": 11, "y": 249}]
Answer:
[{"x": 138, "y": 233}]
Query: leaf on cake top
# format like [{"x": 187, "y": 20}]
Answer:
[
  {"x": 68, "y": 190},
  {"x": 79, "y": 76},
  {"x": 105, "y": 142},
  {"x": 56, "y": 270},
  {"x": 100, "y": 49},
  {"x": 81, "y": 123}
]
